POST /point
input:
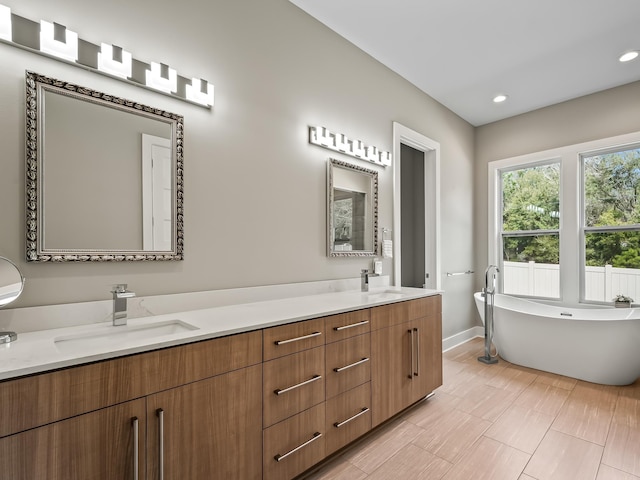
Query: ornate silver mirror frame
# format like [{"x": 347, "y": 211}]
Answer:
[
  {"x": 70, "y": 189},
  {"x": 352, "y": 210}
]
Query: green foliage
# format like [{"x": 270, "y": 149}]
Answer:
[
  {"x": 611, "y": 189},
  {"x": 531, "y": 201},
  {"x": 611, "y": 199}
]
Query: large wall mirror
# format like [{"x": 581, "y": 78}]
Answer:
[
  {"x": 104, "y": 176},
  {"x": 352, "y": 210}
]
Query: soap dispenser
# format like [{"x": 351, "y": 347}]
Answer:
[{"x": 377, "y": 266}]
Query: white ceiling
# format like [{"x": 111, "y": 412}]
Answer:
[{"x": 464, "y": 52}]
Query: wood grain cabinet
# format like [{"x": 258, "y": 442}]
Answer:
[
  {"x": 108, "y": 444},
  {"x": 267, "y": 404},
  {"x": 348, "y": 367},
  {"x": 293, "y": 398},
  {"x": 406, "y": 352},
  {"x": 208, "y": 429},
  {"x": 192, "y": 411}
]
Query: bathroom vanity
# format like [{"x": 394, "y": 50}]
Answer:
[{"x": 265, "y": 403}]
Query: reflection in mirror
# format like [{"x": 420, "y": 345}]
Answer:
[
  {"x": 104, "y": 176},
  {"x": 352, "y": 210},
  {"x": 11, "y": 285}
]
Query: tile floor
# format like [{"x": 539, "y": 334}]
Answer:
[{"x": 503, "y": 421}]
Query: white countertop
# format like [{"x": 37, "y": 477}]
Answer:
[{"x": 37, "y": 352}]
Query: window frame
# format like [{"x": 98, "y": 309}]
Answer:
[
  {"x": 584, "y": 229},
  {"x": 572, "y": 254},
  {"x": 525, "y": 233}
]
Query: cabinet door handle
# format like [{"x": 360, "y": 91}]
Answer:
[
  {"x": 361, "y": 412},
  {"x": 412, "y": 355},
  {"x": 417, "y": 372},
  {"x": 293, "y": 387},
  {"x": 344, "y": 327},
  {"x": 315, "y": 437},
  {"x": 134, "y": 424},
  {"x": 365, "y": 359},
  {"x": 297, "y": 339},
  {"x": 160, "y": 414}
]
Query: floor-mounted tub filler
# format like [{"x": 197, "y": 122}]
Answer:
[{"x": 599, "y": 345}]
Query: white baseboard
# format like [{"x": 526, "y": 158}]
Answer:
[{"x": 462, "y": 337}]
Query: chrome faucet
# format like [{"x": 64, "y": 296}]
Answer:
[
  {"x": 490, "y": 289},
  {"x": 120, "y": 295},
  {"x": 364, "y": 279}
]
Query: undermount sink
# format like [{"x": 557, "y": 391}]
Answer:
[
  {"x": 105, "y": 336},
  {"x": 385, "y": 295}
]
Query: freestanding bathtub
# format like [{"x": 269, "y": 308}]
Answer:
[{"x": 599, "y": 345}]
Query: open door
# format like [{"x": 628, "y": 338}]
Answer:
[{"x": 416, "y": 195}]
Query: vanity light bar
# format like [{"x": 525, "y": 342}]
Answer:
[
  {"x": 56, "y": 41},
  {"x": 115, "y": 61},
  {"x": 200, "y": 91},
  {"x": 339, "y": 142},
  {"x": 162, "y": 77},
  {"x": 5, "y": 23}
]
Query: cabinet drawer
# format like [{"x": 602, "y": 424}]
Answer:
[
  {"x": 348, "y": 417},
  {"x": 347, "y": 325},
  {"x": 32, "y": 401},
  {"x": 348, "y": 364},
  {"x": 292, "y": 384},
  {"x": 292, "y": 338},
  {"x": 395, "y": 313},
  {"x": 294, "y": 445}
]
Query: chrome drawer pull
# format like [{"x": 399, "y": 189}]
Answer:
[
  {"x": 344, "y": 327},
  {"x": 412, "y": 355},
  {"x": 293, "y": 387},
  {"x": 304, "y": 337},
  {"x": 361, "y": 412},
  {"x": 160, "y": 414},
  {"x": 417, "y": 330},
  {"x": 134, "y": 424},
  {"x": 279, "y": 457},
  {"x": 365, "y": 359}
]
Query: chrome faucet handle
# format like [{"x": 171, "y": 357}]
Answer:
[{"x": 120, "y": 291}]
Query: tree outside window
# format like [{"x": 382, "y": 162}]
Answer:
[
  {"x": 530, "y": 229},
  {"x": 611, "y": 227}
]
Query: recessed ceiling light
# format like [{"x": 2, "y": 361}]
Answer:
[
  {"x": 627, "y": 57},
  {"x": 499, "y": 98}
]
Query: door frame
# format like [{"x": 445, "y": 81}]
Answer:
[{"x": 405, "y": 136}]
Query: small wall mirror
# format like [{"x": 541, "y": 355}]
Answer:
[
  {"x": 104, "y": 176},
  {"x": 352, "y": 210},
  {"x": 11, "y": 286}
]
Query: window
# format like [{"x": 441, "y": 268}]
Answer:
[
  {"x": 611, "y": 224},
  {"x": 565, "y": 223},
  {"x": 530, "y": 230}
]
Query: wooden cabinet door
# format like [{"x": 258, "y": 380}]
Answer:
[
  {"x": 209, "y": 429},
  {"x": 427, "y": 377},
  {"x": 94, "y": 446},
  {"x": 391, "y": 371}
]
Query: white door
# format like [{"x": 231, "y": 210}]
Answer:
[{"x": 157, "y": 194}]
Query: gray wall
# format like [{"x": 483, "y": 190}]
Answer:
[
  {"x": 255, "y": 190},
  {"x": 601, "y": 115}
]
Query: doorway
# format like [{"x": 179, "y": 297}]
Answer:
[{"x": 416, "y": 195}]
